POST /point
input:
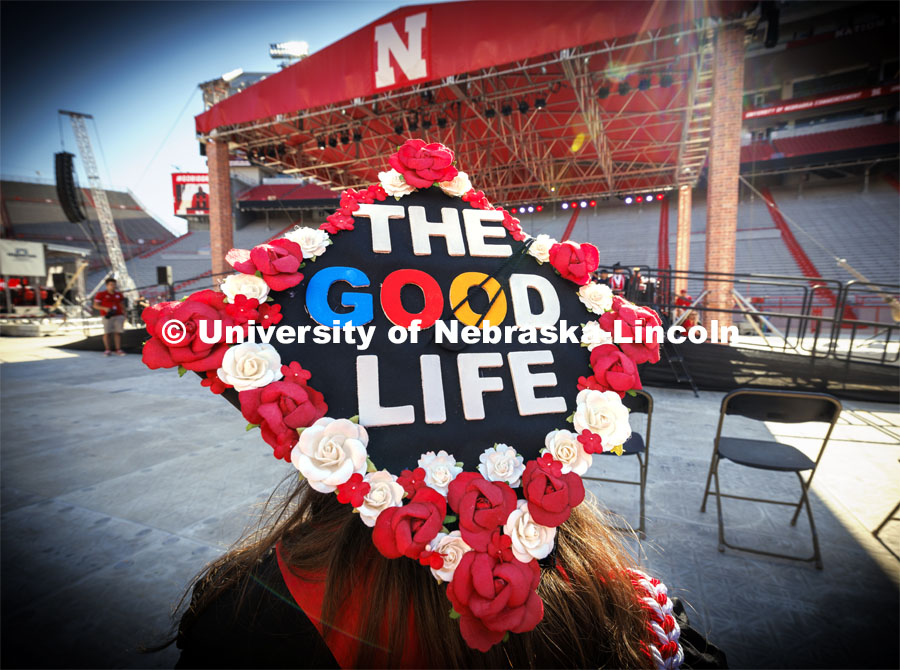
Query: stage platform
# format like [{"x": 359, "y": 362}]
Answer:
[{"x": 119, "y": 483}]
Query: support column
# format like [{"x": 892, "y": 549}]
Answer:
[
  {"x": 221, "y": 227},
  {"x": 683, "y": 237},
  {"x": 724, "y": 168}
]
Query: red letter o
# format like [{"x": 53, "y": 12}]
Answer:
[{"x": 393, "y": 308}]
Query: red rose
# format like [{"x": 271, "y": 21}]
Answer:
[
  {"x": 575, "y": 262},
  {"x": 629, "y": 316},
  {"x": 551, "y": 495},
  {"x": 277, "y": 261},
  {"x": 613, "y": 370},
  {"x": 190, "y": 351},
  {"x": 493, "y": 596},
  {"x": 513, "y": 225},
  {"x": 280, "y": 408},
  {"x": 423, "y": 164},
  {"x": 483, "y": 506},
  {"x": 407, "y": 530}
]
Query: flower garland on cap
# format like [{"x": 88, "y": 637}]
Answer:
[{"x": 490, "y": 563}]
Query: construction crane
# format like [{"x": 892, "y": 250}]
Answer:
[{"x": 101, "y": 203}]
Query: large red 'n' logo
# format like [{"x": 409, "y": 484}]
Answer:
[{"x": 409, "y": 55}]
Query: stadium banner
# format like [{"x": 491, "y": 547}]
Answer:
[
  {"x": 22, "y": 259},
  {"x": 191, "y": 191},
  {"x": 822, "y": 101}
]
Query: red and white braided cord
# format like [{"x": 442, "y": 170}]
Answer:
[{"x": 664, "y": 632}]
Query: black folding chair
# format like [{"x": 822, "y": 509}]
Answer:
[
  {"x": 636, "y": 445},
  {"x": 781, "y": 407}
]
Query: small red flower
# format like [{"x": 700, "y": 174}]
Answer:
[
  {"x": 340, "y": 220},
  {"x": 513, "y": 225},
  {"x": 350, "y": 200},
  {"x": 477, "y": 199},
  {"x": 270, "y": 315},
  {"x": 423, "y": 164},
  {"x": 592, "y": 443},
  {"x": 412, "y": 481},
  {"x": 353, "y": 491},
  {"x": 213, "y": 383},
  {"x": 431, "y": 559},
  {"x": 295, "y": 373},
  {"x": 243, "y": 309},
  {"x": 575, "y": 262}
]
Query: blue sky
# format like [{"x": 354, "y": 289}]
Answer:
[{"x": 134, "y": 66}]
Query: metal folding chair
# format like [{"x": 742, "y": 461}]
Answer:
[
  {"x": 781, "y": 407},
  {"x": 636, "y": 445}
]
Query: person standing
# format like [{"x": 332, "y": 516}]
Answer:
[
  {"x": 617, "y": 281},
  {"x": 110, "y": 303}
]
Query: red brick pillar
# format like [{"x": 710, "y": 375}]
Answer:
[
  {"x": 683, "y": 237},
  {"x": 724, "y": 168},
  {"x": 221, "y": 228}
]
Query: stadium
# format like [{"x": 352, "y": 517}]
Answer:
[{"x": 735, "y": 163}]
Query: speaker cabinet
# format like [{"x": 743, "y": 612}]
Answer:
[
  {"x": 164, "y": 275},
  {"x": 67, "y": 190}
]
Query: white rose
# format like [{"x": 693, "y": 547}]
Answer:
[
  {"x": 394, "y": 184},
  {"x": 331, "y": 451},
  {"x": 529, "y": 539},
  {"x": 592, "y": 335},
  {"x": 249, "y": 286},
  {"x": 459, "y": 185},
  {"x": 440, "y": 470},
  {"x": 384, "y": 492},
  {"x": 596, "y": 297},
  {"x": 540, "y": 248},
  {"x": 452, "y": 547},
  {"x": 250, "y": 366},
  {"x": 564, "y": 446},
  {"x": 313, "y": 242},
  {"x": 602, "y": 413},
  {"x": 501, "y": 463}
]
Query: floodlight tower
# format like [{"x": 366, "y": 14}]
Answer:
[
  {"x": 101, "y": 203},
  {"x": 288, "y": 52}
]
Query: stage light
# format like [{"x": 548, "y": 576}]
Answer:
[
  {"x": 574, "y": 205},
  {"x": 442, "y": 122},
  {"x": 530, "y": 209},
  {"x": 523, "y": 107},
  {"x": 506, "y": 110},
  {"x": 552, "y": 189},
  {"x": 540, "y": 103},
  {"x": 357, "y": 136},
  {"x": 659, "y": 196},
  {"x": 665, "y": 81},
  {"x": 398, "y": 129},
  {"x": 624, "y": 88},
  {"x": 413, "y": 125},
  {"x": 592, "y": 203},
  {"x": 644, "y": 83},
  {"x": 490, "y": 113},
  {"x": 231, "y": 75},
  {"x": 321, "y": 142},
  {"x": 426, "y": 124},
  {"x": 332, "y": 141},
  {"x": 428, "y": 96},
  {"x": 565, "y": 205},
  {"x": 628, "y": 200},
  {"x": 540, "y": 208},
  {"x": 583, "y": 204},
  {"x": 603, "y": 92},
  {"x": 345, "y": 139}
]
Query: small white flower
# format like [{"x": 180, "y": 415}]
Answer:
[
  {"x": 596, "y": 297},
  {"x": 501, "y": 463},
  {"x": 250, "y": 366},
  {"x": 458, "y": 186},
  {"x": 331, "y": 451},
  {"x": 440, "y": 470},
  {"x": 592, "y": 335},
  {"x": 540, "y": 248},
  {"x": 452, "y": 547},
  {"x": 529, "y": 539},
  {"x": 394, "y": 184},
  {"x": 384, "y": 492},
  {"x": 602, "y": 413},
  {"x": 313, "y": 242},
  {"x": 564, "y": 446},
  {"x": 249, "y": 286}
]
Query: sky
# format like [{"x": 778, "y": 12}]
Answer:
[{"x": 135, "y": 67}]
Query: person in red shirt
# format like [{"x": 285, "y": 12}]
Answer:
[
  {"x": 683, "y": 300},
  {"x": 111, "y": 305}
]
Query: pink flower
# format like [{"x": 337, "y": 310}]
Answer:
[
  {"x": 423, "y": 164},
  {"x": 277, "y": 261},
  {"x": 575, "y": 262}
]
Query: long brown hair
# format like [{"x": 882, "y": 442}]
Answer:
[{"x": 591, "y": 614}]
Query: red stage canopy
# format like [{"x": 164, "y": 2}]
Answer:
[{"x": 539, "y": 99}]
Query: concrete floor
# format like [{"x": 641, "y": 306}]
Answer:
[{"x": 119, "y": 483}]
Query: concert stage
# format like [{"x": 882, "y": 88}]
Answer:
[{"x": 119, "y": 483}]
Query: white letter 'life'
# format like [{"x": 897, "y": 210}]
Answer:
[{"x": 408, "y": 56}]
